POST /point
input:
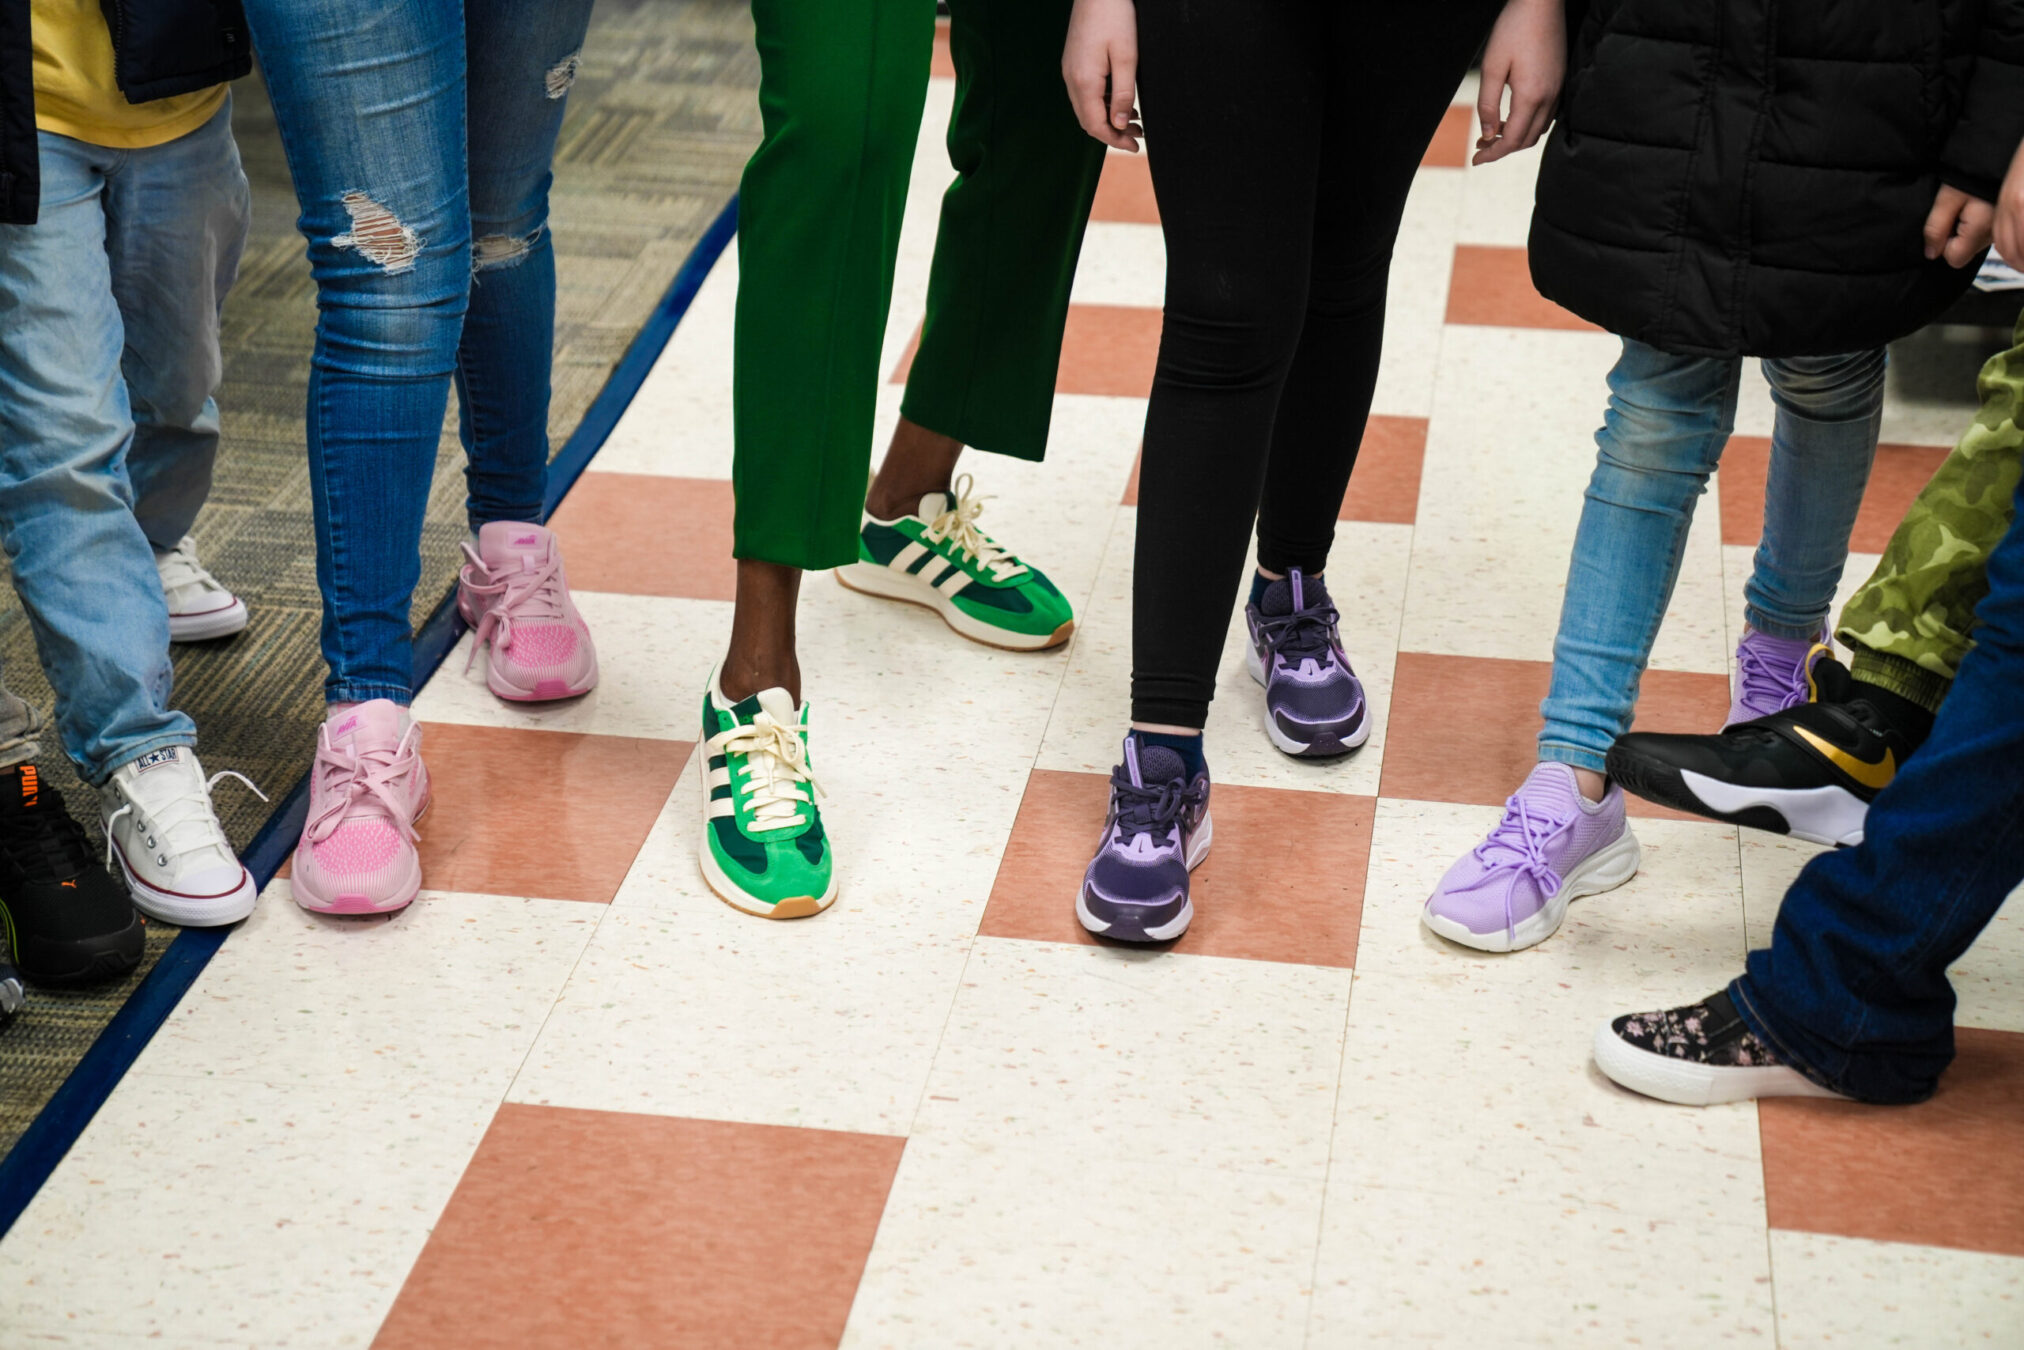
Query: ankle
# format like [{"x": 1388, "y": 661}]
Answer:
[
  {"x": 742, "y": 676},
  {"x": 918, "y": 461},
  {"x": 1592, "y": 784}
]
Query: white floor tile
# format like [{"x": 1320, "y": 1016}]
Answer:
[
  {"x": 1159, "y": 1057},
  {"x": 1853, "y": 1294},
  {"x": 654, "y": 653},
  {"x": 447, "y": 994},
  {"x": 1403, "y": 1265},
  {"x": 283, "y": 1216},
  {"x": 1122, "y": 264},
  {"x": 984, "y": 1245}
]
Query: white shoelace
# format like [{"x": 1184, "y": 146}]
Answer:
[
  {"x": 370, "y": 774},
  {"x": 776, "y": 771},
  {"x": 958, "y": 524},
  {"x": 189, "y": 811},
  {"x": 521, "y": 596},
  {"x": 180, "y": 569}
]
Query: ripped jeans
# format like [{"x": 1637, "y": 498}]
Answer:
[{"x": 420, "y": 138}]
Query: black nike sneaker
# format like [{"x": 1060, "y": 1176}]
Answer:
[
  {"x": 67, "y": 920},
  {"x": 1810, "y": 771}
]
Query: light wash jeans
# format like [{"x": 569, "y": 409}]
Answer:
[
  {"x": 420, "y": 138},
  {"x": 108, "y": 360},
  {"x": 1668, "y": 421}
]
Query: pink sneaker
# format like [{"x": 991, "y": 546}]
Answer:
[
  {"x": 366, "y": 790},
  {"x": 514, "y": 593}
]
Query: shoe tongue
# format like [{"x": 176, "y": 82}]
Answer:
[
  {"x": 1157, "y": 764},
  {"x": 378, "y": 723},
  {"x": 1551, "y": 788},
  {"x": 512, "y": 544},
  {"x": 776, "y": 703},
  {"x": 1828, "y": 681},
  {"x": 1280, "y": 597},
  {"x": 22, "y": 789},
  {"x": 933, "y": 504}
]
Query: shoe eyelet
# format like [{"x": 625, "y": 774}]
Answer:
[{"x": 162, "y": 859}]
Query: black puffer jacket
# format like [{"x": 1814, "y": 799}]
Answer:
[
  {"x": 160, "y": 48},
  {"x": 1750, "y": 177}
]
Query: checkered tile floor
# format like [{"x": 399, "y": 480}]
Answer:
[{"x": 570, "y": 1099}]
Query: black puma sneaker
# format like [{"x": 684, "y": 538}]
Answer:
[
  {"x": 1810, "y": 771},
  {"x": 67, "y": 920}
]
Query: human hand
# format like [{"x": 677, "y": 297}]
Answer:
[
  {"x": 1100, "y": 65},
  {"x": 1958, "y": 226},
  {"x": 2010, "y": 213},
  {"x": 1528, "y": 55}
]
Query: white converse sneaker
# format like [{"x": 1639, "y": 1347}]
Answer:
[
  {"x": 171, "y": 849},
  {"x": 200, "y": 608}
]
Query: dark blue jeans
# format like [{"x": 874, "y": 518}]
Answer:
[
  {"x": 420, "y": 138},
  {"x": 1853, "y": 989}
]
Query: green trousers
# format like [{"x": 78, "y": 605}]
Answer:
[
  {"x": 1908, "y": 626},
  {"x": 842, "y": 86}
]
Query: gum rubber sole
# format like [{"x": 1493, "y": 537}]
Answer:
[{"x": 871, "y": 579}]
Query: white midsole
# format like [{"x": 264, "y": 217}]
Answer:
[
  {"x": 186, "y": 911},
  {"x": 1604, "y": 870},
  {"x": 212, "y": 624},
  {"x": 871, "y": 579},
  {"x": 1822, "y": 815},
  {"x": 1689, "y": 1084}
]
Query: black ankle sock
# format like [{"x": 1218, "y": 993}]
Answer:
[
  {"x": 1189, "y": 748},
  {"x": 1258, "y": 585},
  {"x": 1907, "y": 718}
]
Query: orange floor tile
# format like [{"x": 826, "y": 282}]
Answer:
[
  {"x": 553, "y": 814},
  {"x": 1453, "y": 141},
  {"x": 1899, "y": 473},
  {"x": 1283, "y": 880},
  {"x": 1492, "y": 285},
  {"x": 1465, "y": 728},
  {"x": 1125, "y": 192},
  {"x": 581, "y": 1228},
  {"x": 1948, "y": 1172},
  {"x": 1385, "y": 486},
  {"x": 643, "y": 534}
]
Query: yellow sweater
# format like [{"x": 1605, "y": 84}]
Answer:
[{"x": 76, "y": 95}]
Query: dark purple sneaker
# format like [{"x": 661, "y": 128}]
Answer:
[
  {"x": 1314, "y": 704},
  {"x": 1136, "y": 888}
]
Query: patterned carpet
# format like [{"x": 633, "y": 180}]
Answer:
[{"x": 660, "y": 122}]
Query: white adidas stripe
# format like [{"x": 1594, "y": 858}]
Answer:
[
  {"x": 907, "y": 556},
  {"x": 722, "y": 806},
  {"x": 954, "y": 582}
]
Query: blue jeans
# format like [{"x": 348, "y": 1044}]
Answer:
[
  {"x": 1853, "y": 988},
  {"x": 419, "y": 137},
  {"x": 108, "y": 360},
  {"x": 1669, "y": 418}
]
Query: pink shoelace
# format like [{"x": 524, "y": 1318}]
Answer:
[
  {"x": 523, "y": 597},
  {"x": 344, "y": 779}
]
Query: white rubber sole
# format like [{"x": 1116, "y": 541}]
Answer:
[
  {"x": 1198, "y": 849},
  {"x": 1822, "y": 815},
  {"x": 189, "y": 911},
  {"x": 1603, "y": 870},
  {"x": 210, "y": 625},
  {"x": 1685, "y": 1083},
  {"x": 871, "y": 579}
]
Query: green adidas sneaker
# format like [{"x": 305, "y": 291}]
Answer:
[
  {"x": 764, "y": 850},
  {"x": 940, "y": 559}
]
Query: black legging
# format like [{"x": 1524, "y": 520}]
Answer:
[{"x": 1284, "y": 135}]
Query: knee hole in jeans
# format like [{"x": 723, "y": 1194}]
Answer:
[
  {"x": 378, "y": 233},
  {"x": 503, "y": 250},
  {"x": 560, "y": 76}
]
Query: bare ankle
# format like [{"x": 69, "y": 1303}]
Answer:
[
  {"x": 762, "y": 652},
  {"x": 1591, "y": 783},
  {"x": 918, "y": 461}
]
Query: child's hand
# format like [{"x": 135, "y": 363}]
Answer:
[
  {"x": 1958, "y": 226},
  {"x": 1527, "y": 53},
  {"x": 1100, "y": 64},
  {"x": 2010, "y": 213}
]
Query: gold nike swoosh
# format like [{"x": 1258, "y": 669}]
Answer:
[{"x": 1877, "y": 775}]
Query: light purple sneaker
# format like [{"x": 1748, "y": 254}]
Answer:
[
  {"x": 1511, "y": 891},
  {"x": 1770, "y": 675},
  {"x": 1314, "y": 704}
]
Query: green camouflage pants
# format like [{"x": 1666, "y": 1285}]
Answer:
[{"x": 1908, "y": 625}]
